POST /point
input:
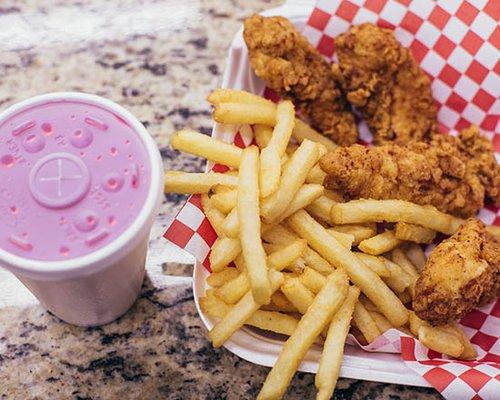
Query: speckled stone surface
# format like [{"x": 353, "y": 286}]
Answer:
[{"x": 159, "y": 59}]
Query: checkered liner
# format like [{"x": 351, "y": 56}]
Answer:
[{"x": 456, "y": 44}]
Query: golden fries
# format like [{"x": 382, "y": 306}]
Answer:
[
  {"x": 369, "y": 282},
  {"x": 360, "y": 232},
  {"x": 237, "y": 96},
  {"x": 382, "y": 322},
  {"x": 316, "y": 175},
  {"x": 398, "y": 280},
  {"x": 414, "y": 233},
  {"x": 304, "y": 196},
  {"x": 344, "y": 239},
  {"x": 303, "y": 131},
  {"x": 416, "y": 255},
  {"x": 198, "y": 144},
  {"x": 312, "y": 280},
  {"x": 365, "y": 323},
  {"x": 321, "y": 208},
  {"x": 191, "y": 183},
  {"x": 232, "y": 291},
  {"x": 237, "y": 113},
  {"x": 267, "y": 320},
  {"x": 376, "y": 264},
  {"x": 225, "y": 201},
  {"x": 262, "y": 135},
  {"x": 297, "y": 294},
  {"x": 214, "y": 216},
  {"x": 440, "y": 341},
  {"x": 217, "y": 279},
  {"x": 379, "y": 244},
  {"x": 285, "y": 256},
  {"x": 293, "y": 177},
  {"x": 238, "y": 314},
  {"x": 249, "y": 225},
  {"x": 319, "y": 314},
  {"x": 361, "y": 211},
  {"x": 224, "y": 251},
  {"x": 399, "y": 257},
  {"x": 270, "y": 164},
  {"x": 333, "y": 349}
]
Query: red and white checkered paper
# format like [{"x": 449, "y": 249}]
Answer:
[{"x": 457, "y": 44}]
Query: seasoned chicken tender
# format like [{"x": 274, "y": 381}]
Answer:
[
  {"x": 451, "y": 173},
  {"x": 461, "y": 273},
  {"x": 290, "y": 65},
  {"x": 381, "y": 79}
]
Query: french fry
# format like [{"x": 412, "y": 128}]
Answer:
[
  {"x": 217, "y": 279},
  {"x": 262, "y": 135},
  {"x": 360, "y": 232},
  {"x": 368, "y": 304},
  {"x": 362, "y": 276},
  {"x": 303, "y": 131},
  {"x": 316, "y": 175},
  {"x": 365, "y": 323},
  {"x": 494, "y": 231},
  {"x": 238, "y": 113},
  {"x": 416, "y": 255},
  {"x": 382, "y": 322},
  {"x": 214, "y": 216},
  {"x": 232, "y": 291},
  {"x": 361, "y": 211},
  {"x": 304, "y": 196},
  {"x": 267, "y": 320},
  {"x": 300, "y": 296},
  {"x": 231, "y": 224},
  {"x": 238, "y": 96},
  {"x": 270, "y": 158},
  {"x": 375, "y": 263},
  {"x": 279, "y": 234},
  {"x": 379, "y": 244},
  {"x": 398, "y": 280},
  {"x": 224, "y": 251},
  {"x": 292, "y": 179},
  {"x": 279, "y": 302},
  {"x": 344, "y": 239},
  {"x": 312, "y": 280},
  {"x": 239, "y": 261},
  {"x": 321, "y": 208},
  {"x": 319, "y": 314},
  {"x": 399, "y": 257},
  {"x": 191, "y": 183},
  {"x": 469, "y": 352},
  {"x": 335, "y": 196},
  {"x": 405, "y": 296},
  {"x": 201, "y": 145},
  {"x": 440, "y": 341},
  {"x": 285, "y": 256},
  {"x": 225, "y": 201},
  {"x": 333, "y": 349},
  {"x": 250, "y": 226},
  {"x": 414, "y": 233},
  {"x": 242, "y": 310}
]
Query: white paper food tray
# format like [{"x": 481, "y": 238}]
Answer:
[{"x": 260, "y": 347}]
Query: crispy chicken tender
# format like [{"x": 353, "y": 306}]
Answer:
[
  {"x": 290, "y": 65},
  {"x": 383, "y": 81},
  {"x": 451, "y": 173},
  {"x": 461, "y": 273}
]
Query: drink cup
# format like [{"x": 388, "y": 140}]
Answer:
[{"x": 80, "y": 185}]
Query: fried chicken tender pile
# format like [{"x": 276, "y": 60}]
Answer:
[
  {"x": 290, "y": 65},
  {"x": 451, "y": 173},
  {"x": 461, "y": 273},
  {"x": 383, "y": 81}
]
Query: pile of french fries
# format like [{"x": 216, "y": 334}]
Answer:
[{"x": 292, "y": 258}]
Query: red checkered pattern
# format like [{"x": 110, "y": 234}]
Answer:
[{"x": 456, "y": 44}]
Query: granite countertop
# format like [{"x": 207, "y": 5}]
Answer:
[{"x": 160, "y": 59}]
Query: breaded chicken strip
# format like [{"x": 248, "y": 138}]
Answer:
[
  {"x": 451, "y": 173},
  {"x": 290, "y": 65},
  {"x": 461, "y": 273},
  {"x": 383, "y": 81}
]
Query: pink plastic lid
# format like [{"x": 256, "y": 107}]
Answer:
[{"x": 73, "y": 177}]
